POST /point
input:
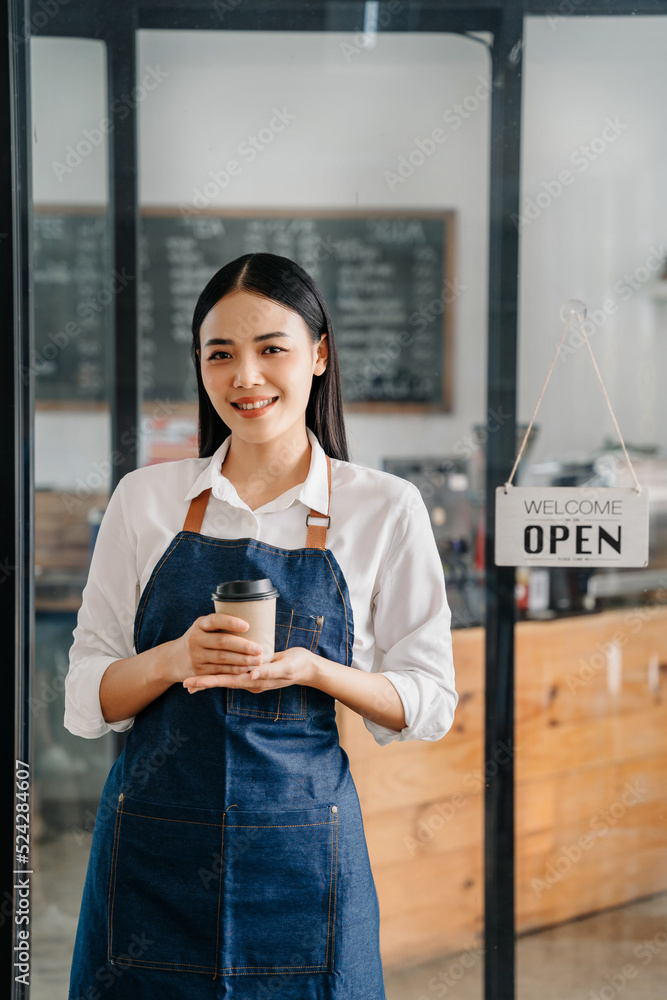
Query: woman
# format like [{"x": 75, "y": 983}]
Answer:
[{"x": 228, "y": 855}]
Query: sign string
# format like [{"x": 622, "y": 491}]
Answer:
[{"x": 572, "y": 313}]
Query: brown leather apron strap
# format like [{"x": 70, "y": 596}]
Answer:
[
  {"x": 316, "y": 537},
  {"x": 196, "y": 511},
  {"x": 317, "y": 533}
]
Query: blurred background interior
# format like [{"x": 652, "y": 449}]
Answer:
[{"x": 330, "y": 135}]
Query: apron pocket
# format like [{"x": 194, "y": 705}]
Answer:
[
  {"x": 165, "y": 887},
  {"x": 287, "y": 703},
  {"x": 279, "y": 891},
  {"x": 298, "y": 630}
]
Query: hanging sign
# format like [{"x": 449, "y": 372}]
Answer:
[
  {"x": 566, "y": 526},
  {"x": 572, "y": 526}
]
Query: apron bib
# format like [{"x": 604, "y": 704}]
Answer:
[{"x": 228, "y": 856}]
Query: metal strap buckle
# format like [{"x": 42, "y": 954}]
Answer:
[{"x": 322, "y": 517}]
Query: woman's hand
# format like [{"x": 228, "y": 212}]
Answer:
[
  {"x": 205, "y": 650},
  {"x": 289, "y": 666},
  {"x": 370, "y": 695}
]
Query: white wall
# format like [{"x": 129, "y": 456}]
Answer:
[
  {"x": 357, "y": 110},
  {"x": 580, "y": 72},
  {"x": 68, "y": 82}
]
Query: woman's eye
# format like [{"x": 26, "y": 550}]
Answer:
[{"x": 270, "y": 347}]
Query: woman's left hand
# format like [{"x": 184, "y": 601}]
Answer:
[{"x": 289, "y": 666}]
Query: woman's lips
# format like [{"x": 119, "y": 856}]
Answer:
[{"x": 256, "y": 411}]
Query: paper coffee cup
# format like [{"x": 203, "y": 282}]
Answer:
[{"x": 255, "y": 602}]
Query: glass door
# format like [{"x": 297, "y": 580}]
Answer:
[
  {"x": 355, "y": 139},
  {"x": 591, "y": 840},
  {"x": 72, "y": 281}
]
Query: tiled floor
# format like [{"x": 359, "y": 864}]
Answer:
[
  {"x": 618, "y": 952},
  {"x": 621, "y": 952}
]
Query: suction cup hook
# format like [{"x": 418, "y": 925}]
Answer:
[{"x": 573, "y": 306}]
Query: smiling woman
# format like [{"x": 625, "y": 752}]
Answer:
[
  {"x": 271, "y": 353},
  {"x": 260, "y": 384},
  {"x": 271, "y": 303},
  {"x": 361, "y": 617}
]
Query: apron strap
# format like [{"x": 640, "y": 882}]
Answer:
[
  {"x": 317, "y": 533},
  {"x": 196, "y": 511}
]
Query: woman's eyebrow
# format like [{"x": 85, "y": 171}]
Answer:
[{"x": 262, "y": 336}]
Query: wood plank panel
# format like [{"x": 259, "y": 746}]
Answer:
[
  {"x": 597, "y": 882},
  {"x": 579, "y": 746},
  {"x": 418, "y": 922},
  {"x": 401, "y": 835}
]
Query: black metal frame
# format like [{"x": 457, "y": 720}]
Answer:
[
  {"x": 116, "y": 24},
  {"x": 16, "y": 485},
  {"x": 499, "y": 915},
  {"x": 9, "y": 597}
]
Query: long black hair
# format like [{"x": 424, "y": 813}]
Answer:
[{"x": 284, "y": 281}]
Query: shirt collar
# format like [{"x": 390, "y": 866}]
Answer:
[{"x": 313, "y": 493}]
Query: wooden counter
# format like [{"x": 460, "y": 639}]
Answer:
[
  {"x": 62, "y": 546},
  {"x": 591, "y": 763}
]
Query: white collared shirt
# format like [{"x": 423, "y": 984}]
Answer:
[{"x": 380, "y": 534}]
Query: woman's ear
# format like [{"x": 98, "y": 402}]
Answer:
[{"x": 322, "y": 355}]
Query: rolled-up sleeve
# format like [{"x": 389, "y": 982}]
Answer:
[
  {"x": 104, "y": 629},
  {"x": 411, "y": 621}
]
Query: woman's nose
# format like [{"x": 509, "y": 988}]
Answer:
[{"x": 247, "y": 372}]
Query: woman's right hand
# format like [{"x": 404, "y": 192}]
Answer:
[{"x": 204, "y": 649}]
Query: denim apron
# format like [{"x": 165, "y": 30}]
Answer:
[{"x": 228, "y": 856}]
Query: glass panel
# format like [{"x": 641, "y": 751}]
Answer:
[
  {"x": 69, "y": 368},
  {"x": 591, "y": 834},
  {"x": 363, "y": 156},
  {"x": 350, "y": 153}
]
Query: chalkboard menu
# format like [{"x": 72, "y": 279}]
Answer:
[
  {"x": 72, "y": 294},
  {"x": 386, "y": 277}
]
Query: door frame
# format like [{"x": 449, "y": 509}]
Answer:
[{"x": 117, "y": 24}]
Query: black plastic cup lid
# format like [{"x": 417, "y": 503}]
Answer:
[{"x": 245, "y": 590}]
